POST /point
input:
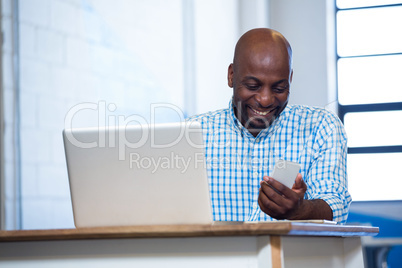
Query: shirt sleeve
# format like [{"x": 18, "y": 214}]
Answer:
[{"x": 327, "y": 176}]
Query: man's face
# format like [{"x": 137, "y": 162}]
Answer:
[{"x": 261, "y": 83}]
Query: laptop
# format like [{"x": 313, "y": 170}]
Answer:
[{"x": 138, "y": 175}]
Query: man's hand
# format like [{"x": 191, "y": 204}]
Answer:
[{"x": 281, "y": 202}]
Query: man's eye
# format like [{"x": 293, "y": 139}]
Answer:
[
  {"x": 252, "y": 87},
  {"x": 280, "y": 89}
]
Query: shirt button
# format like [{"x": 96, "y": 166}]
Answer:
[
  {"x": 255, "y": 174},
  {"x": 255, "y": 206}
]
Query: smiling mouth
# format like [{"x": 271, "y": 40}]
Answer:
[{"x": 262, "y": 113}]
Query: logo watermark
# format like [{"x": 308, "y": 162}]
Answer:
[
  {"x": 173, "y": 161},
  {"x": 128, "y": 133}
]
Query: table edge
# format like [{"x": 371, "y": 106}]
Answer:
[{"x": 179, "y": 231}]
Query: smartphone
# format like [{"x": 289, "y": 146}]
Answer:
[{"x": 286, "y": 172}]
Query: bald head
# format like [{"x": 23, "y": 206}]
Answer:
[
  {"x": 260, "y": 75},
  {"x": 262, "y": 41}
]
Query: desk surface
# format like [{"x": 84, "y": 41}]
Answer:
[{"x": 160, "y": 231}]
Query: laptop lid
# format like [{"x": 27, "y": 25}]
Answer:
[{"x": 138, "y": 175}]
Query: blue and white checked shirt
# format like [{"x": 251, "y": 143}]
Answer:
[{"x": 237, "y": 161}]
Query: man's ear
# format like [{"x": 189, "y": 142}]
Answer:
[
  {"x": 291, "y": 76},
  {"x": 230, "y": 75}
]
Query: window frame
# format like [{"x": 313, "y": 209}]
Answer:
[{"x": 357, "y": 108}]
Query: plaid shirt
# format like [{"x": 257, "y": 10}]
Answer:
[{"x": 237, "y": 161}]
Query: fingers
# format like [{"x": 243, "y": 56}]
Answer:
[
  {"x": 273, "y": 196},
  {"x": 270, "y": 192},
  {"x": 268, "y": 207},
  {"x": 300, "y": 187},
  {"x": 277, "y": 185},
  {"x": 299, "y": 183},
  {"x": 274, "y": 203},
  {"x": 279, "y": 201}
]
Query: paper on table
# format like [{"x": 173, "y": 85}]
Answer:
[{"x": 298, "y": 221}]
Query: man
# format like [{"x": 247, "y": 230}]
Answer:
[{"x": 244, "y": 142}]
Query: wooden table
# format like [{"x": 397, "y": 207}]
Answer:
[{"x": 274, "y": 244}]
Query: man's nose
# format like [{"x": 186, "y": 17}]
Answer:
[{"x": 265, "y": 97}]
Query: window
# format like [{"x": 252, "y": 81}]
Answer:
[
  {"x": 90, "y": 63},
  {"x": 369, "y": 50}
]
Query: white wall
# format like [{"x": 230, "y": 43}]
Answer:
[
  {"x": 305, "y": 25},
  {"x": 216, "y": 30},
  {"x": 218, "y": 26},
  {"x": 308, "y": 25},
  {"x": 128, "y": 54},
  {"x": 7, "y": 191}
]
